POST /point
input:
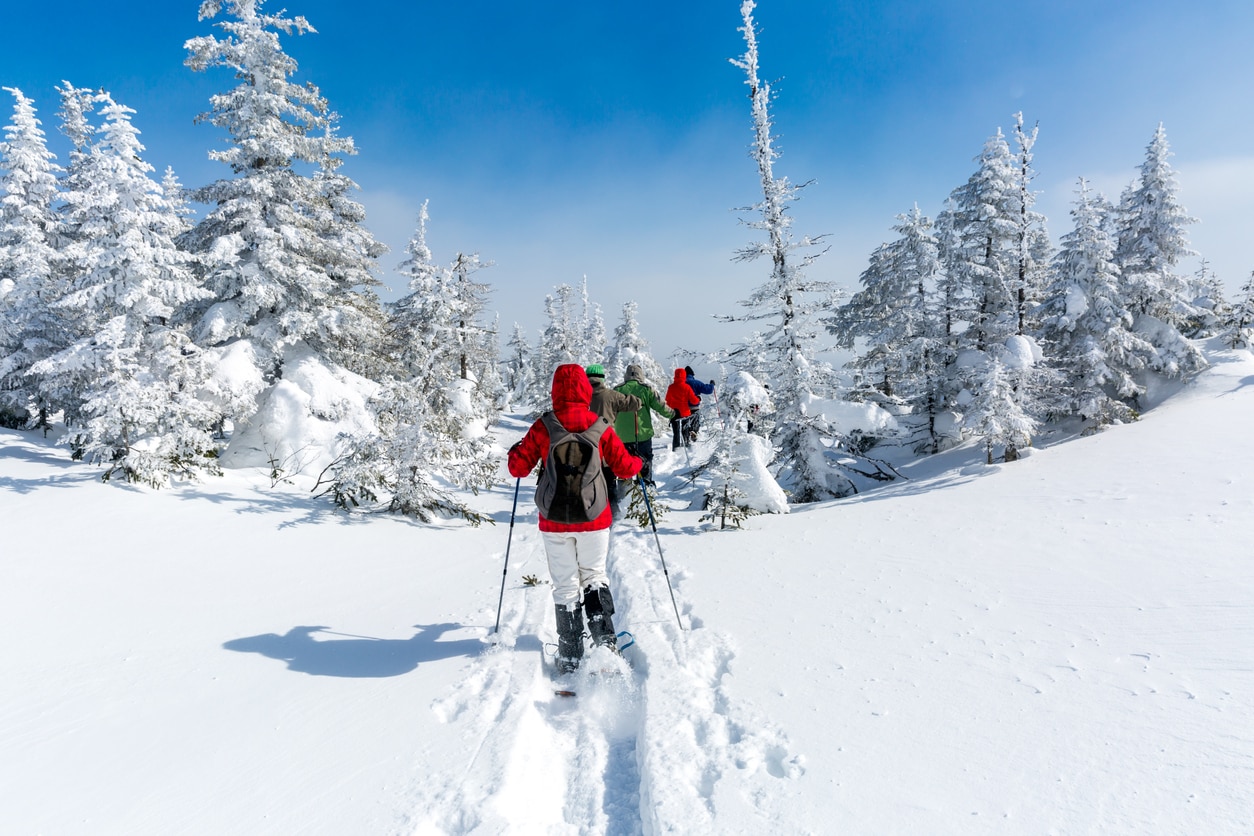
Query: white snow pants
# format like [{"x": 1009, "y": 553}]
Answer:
[{"x": 576, "y": 561}]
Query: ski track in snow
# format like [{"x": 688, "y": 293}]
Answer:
[{"x": 665, "y": 750}]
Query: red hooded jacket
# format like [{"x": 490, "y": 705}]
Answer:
[
  {"x": 571, "y": 395},
  {"x": 679, "y": 395}
]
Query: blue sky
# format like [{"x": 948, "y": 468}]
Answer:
[{"x": 563, "y": 140}]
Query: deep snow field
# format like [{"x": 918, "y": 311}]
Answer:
[{"x": 1064, "y": 644}]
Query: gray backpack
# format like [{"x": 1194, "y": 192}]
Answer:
[{"x": 572, "y": 487}]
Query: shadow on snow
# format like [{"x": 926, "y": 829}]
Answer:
[{"x": 356, "y": 656}]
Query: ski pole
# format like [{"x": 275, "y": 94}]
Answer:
[
  {"x": 509, "y": 541},
  {"x": 644, "y": 489}
]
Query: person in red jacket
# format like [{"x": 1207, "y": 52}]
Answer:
[
  {"x": 576, "y": 551},
  {"x": 681, "y": 398}
]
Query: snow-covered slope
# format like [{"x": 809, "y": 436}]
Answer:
[{"x": 1062, "y": 644}]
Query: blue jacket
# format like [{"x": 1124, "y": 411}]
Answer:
[{"x": 699, "y": 387}]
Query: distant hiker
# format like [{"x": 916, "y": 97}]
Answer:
[
  {"x": 699, "y": 388},
  {"x": 575, "y": 444},
  {"x": 681, "y": 398},
  {"x": 636, "y": 429},
  {"x": 608, "y": 403}
]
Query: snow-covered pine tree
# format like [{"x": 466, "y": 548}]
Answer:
[
  {"x": 1033, "y": 250},
  {"x": 520, "y": 378},
  {"x": 981, "y": 252},
  {"x": 561, "y": 341},
  {"x": 594, "y": 341},
  {"x": 433, "y": 418},
  {"x": 30, "y": 279},
  {"x": 1239, "y": 317},
  {"x": 630, "y": 347},
  {"x": 740, "y": 484},
  {"x": 994, "y": 412},
  {"x": 890, "y": 314},
  {"x": 1206, "y": 293},
  {"x": 895, "y": 316},
  {"x": 784, "y": 353},
  {"x": 283, "y": 252},
  {"x": 1150, "y": 245},
  {"x": 130, "y": 382},
  {"x": 1086, "y": 322}
]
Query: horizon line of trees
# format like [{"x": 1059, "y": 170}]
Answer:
[{"x": 149, "y": 335}]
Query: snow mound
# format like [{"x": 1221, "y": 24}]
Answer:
[{"x": 300, "y": 420}]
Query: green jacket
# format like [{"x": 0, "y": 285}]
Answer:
[{"x": 638, "y": 426}]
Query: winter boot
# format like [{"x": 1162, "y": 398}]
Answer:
[
  {"x": 599, "y": 605},
  {"x": 569, "y": 639}
]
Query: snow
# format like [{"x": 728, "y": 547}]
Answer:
[{"x": 1061, "y": 644}]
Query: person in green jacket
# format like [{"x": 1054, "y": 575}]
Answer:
[{"x": 636, "y": 428}]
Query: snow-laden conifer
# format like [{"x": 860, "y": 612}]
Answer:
[
  {"x": 130, "y": 382},
  {"x": 784, "y": 353},
  {"x": 1239, "y": 317},
  {"x": 432, "y": 418},
  {"x": 994, "y": 412},
  {"x": 981, "y": 252},
  {"x": 630, "y": 348},
  {"x": 594, "y": 340},
  {"x": 283, "y": 251},
  {"x": 1086, "y": 322},
  {"x": 1150, "y": 244},
  {"x": 520, "y": 377},
  {"x": 889, "y": 315},
  {"x": 1033, "y": 250},
  {"x": 30, "y": 280}
]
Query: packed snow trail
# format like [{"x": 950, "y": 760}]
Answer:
[{"x": 664, "y": 750}]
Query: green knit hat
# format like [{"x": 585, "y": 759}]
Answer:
[{"x": 595, "y": 370}]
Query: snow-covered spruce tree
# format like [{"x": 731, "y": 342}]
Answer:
[
  {"x": 740, "y": 484},
  {"x": 284, "y": 252},
  {"x": 132, "y": 378},
  {"x": 432, "y": 418},
  {"x": 561, "y": 341},
  {"x": 1033, "y": 251},
  {"x": 520, "y": 377},
  {"x": 890, "y": 314},
  {"x": 594, "y": 341},
  {"x": 630, "y": 347},
  {"x": 30, "y": 279},
  {"x": 1086, "y": 322},
  {"x": 1150, "y": 244},
  {"x": 1206, "y": 293},
  {"x": 994, "y": 412},
  {"x": 1239, "y": 317},
  {"x": 981, "y": 254},
  {"x": 784, "y": 352},
  {"x": 895, "y": 317}
]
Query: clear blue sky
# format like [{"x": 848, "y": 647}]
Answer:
[{"x": 610, "y": 140}]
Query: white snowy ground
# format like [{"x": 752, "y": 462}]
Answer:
[{"x": 1060, "y": 645}]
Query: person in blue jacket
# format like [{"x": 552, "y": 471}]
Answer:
[{"x": 694, "y": 423}]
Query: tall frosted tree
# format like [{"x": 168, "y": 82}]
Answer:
[
  {"x": 889, "y": 316},
  {"x": 1087, "y": 324},
  {"x": 630, "y": 347},
  {"x": 130, "y": 382},
  {"x": 283, "y": 248},
  {"x": 30, "y": 281},
  {"x": 1150, "y": 244},
  {"x": 520, "y": 377},
  {"x": 787, "y": 305},
  {"x": 1033, "y": 250},
  {"x": 432, "y": 417},
  {"x": 981, "y": 253}
]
